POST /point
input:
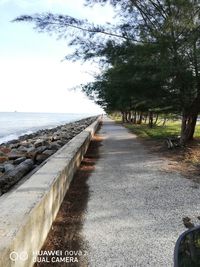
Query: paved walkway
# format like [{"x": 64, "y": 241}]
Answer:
[{"x": 135, "y": 210}]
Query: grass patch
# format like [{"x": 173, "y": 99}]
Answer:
[
  {"x": 157, "y": 132},
  {"x": 171, "y": 129}
]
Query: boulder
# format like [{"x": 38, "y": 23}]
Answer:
[
  {"x": 2, "y": 154},
  {"x": 48, "y": 152},
  {"x": 12, "y": 142},
  {"x": 3, "y": 159},
  {"x": 63, "y": 128},
  {"x": 25, "y": 143},
  {"x": 7, "y": 180},
  {"x": 15, "y": 145},
  {"x": 8, "y": 167},
  {"x": 2, "y": 169},
  {"x": 19, "y": 160},
  {"x": 41, "y": 149},
  {"x": 5, "y": 150},
  {"x": 13, "y": 156},
  {"x": 40, "y": 142},
  {"x": 55, "y": 137},
  {"x": 22, "y": 149},
  {"x": 40, "y": 158},
  {"x": 61, "y": 143},
  {"x": 54, "y": 146},
  {"x": 14, "y": 150},
  {"x": 31, "y": 153}
]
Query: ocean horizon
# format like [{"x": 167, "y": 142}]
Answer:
[{"x": 15, "y": 124}]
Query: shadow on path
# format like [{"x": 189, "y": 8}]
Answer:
[{"x": 66, "y": 232}]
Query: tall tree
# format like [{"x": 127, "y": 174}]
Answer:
[{"x": 171, "y": 25}]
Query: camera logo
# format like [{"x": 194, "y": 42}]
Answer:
[{"x": 21, "y": 256}]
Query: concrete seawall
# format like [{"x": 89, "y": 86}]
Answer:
[{"x": 28, "y": 212}]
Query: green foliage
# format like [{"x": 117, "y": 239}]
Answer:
[{"x": 150, "y": 60}]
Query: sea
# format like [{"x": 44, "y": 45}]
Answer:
[{"x": 15, "y": 124}]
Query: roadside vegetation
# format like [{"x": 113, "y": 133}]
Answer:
[
  {"x": 171, "y": 128},
  {"x": 158, "y": 131}
]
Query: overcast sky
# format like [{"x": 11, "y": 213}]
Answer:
[{"x": 33, "y": 76}]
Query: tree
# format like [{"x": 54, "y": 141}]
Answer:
[
  {"x": 133, "y": 81},
  {"x": 172, "y": 26}
]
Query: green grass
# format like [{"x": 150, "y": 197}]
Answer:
[
  {"x": 197, "y": 130},
  {"x": 157, "y": 132},
  {"x": 172, "y": 128}
]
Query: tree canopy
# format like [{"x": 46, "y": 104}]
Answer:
[{"x": 150, "y": 60}]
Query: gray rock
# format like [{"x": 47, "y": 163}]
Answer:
[
  {"x": 13, "y": 156},
  {"x": 2, "y": 154},
  {"x": 55, "y": 138},
  {"x": 31, "y": 153},
  {"x": 8, "y": 167},
  {"x": 54, "y": 146},
  {"x": 40, "y": 158},
  {"x": 64, "y": 128},
  {"x": 15, "y": 141},
  {"x": 14, "y": 150},
  {"x": 40, "y": 142},
  {"x": 16, "y": 145},
  {"x": 19, "y": 160},
  {"x": 22, "y": 149},
  {"x": 41, "y": 149},
  {"x": 2, "y": 169},
  {"x": 61, "y": 143},
  {"x": 30, "y": 149},
  {"x": 48, "y": 152},
  {"x": 7, "y": 180},
  {"x": 25, "y": 143}
]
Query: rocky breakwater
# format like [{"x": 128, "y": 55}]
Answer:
[{"x": 19, "y": 157}]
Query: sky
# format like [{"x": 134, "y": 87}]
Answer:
[{"x": 34, "y": 77}]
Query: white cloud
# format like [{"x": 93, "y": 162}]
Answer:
[
  {"x": 35, "y": 85},
  {"x": 32, "y": 78}
]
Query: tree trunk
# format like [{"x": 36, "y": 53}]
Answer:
[
  {"x": 126, "y": 116},
  {"x": 140, "y": 118},
  {"x": 150, "y": 119},
  {"x": 156, "y": 119},
  {"x": 123, "y": 116},
  {"x": 145, "y": 118},
  {"x": 135, "y": 117},
  {"x": 129, "y": 116},
  {"x": 188, "y": 127},
  {"x": 164, "y": 121}
]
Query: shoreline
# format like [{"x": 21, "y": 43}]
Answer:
[
  {"x": 25, "y": 123},
  {"x": 21, "y": 156}
]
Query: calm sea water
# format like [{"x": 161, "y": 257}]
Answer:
[{"x": 14, "y": 124}]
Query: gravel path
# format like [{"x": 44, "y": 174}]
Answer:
[{"x": 135, "y": 210}]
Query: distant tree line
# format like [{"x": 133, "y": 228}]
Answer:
[{"x": 150, "y": 60}]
